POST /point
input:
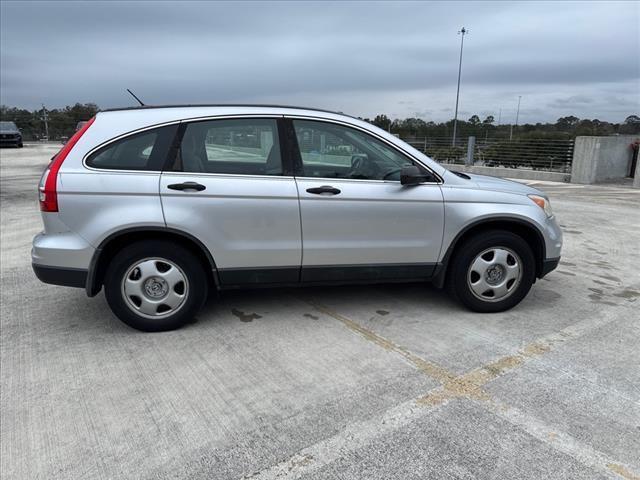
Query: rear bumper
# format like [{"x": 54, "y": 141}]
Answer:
[
  {"x": 61, "y": 250},
  {"x": 61, "y": 258},
  {"x": 67, "y": 277},
  {"x": 549, "y": 265}
]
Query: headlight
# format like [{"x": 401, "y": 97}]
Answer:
[{"x": 543, "y": 203}]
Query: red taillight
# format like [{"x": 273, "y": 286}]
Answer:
[{"x": 49, "y": 180}]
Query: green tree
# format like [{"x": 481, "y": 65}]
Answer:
[
  {"x": 631, "y": 125},
  {"x": 474, "y": 120},
  {"x": 382, "y": 121},
  {"x": 585, "y": 127},
  {"x": 566, "y": 124},
  {"x": 62, "y": 122}
]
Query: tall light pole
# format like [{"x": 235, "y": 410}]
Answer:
[
  {"x": 462, "y": 32},
  {"x": 517, "y": 116},
  {"x": 45, "y": 119}
]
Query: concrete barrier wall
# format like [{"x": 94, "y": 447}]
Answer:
[
  {"x": 521, "y": 173},
  {"x": 598, "y": 159}
]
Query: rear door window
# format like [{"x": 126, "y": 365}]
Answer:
[
  {"x": 141, "y": 151},
  {"x": 244, "y": 146}
]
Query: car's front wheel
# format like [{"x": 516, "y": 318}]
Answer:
[
  {"x": 155, "y": 286},
  {"x": 492, "y": 272}
]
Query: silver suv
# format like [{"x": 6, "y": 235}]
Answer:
[{"x": 158, "y": 204}]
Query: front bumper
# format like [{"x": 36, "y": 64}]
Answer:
[
  {"x": 67, "y": 277},
  {"x": 549, "y": 265},
  {"x": 553, "y": 239},
  {"x": 11, "y": 141}
]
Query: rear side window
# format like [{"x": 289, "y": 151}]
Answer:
[
  {"x": 141, "y": 151},
  {"x": 236, "y": 146}
]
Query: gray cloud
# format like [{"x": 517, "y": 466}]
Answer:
[
  {"x": 571, "y": 101},
  {"x": 579, "y": 58}
]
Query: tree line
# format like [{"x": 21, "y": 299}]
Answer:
[
  {"x": 62, "y": 123},
  {"x": 564, "y": 128}
]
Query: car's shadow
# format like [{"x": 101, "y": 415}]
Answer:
[
  {"x": 252, "y": 301},
  {"x": 246, "y": 305},
  {"x": 77, "y": 312}
]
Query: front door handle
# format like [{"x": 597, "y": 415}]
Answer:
[
  {"x": 187, "y": 186},
  {"x": 324, "y": 189}
]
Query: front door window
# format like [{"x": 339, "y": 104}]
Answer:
[{"x": 333, "y": 151}]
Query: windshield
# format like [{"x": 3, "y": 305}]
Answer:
[{"x": 8, "y": 127}]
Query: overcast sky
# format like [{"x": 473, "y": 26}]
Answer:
[{"x": 362, "y": 58}]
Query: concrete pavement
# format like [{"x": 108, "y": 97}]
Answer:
[{"x": 386, "y": 381}]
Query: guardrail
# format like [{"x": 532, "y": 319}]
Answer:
[
  {"x": 534, "y": 154},
  {"x": 440, "y": 148}
]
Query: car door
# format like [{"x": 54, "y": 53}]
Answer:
[
  {"x": 231, "y": 188},
  {"x": 358, "y": 221}
]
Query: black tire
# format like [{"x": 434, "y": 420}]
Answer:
[
  {"x": 20, "y": 145},
  {"x": 195, "y": 291},
  {"x": 458, "y": 272}
]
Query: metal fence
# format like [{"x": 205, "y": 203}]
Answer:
[
  {"x": 534, "y": 154},
  {"x": 440, "y": 148}
]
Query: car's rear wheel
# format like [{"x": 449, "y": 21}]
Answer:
[
  {"x": 492, "y": 272},
  {"x": 155, "y": 286}
]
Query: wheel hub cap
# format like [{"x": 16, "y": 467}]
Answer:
[
  {"x": 156, "y": 287},
  {"x": 495, "y": 274}
]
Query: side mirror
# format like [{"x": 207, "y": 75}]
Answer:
[{"x": 412, "y": 175}]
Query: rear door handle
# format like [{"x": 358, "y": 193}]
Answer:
[
  {"x": 324, "y": 189},
  {"x": 187, "y": 186}
]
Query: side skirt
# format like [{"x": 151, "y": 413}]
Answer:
[{"x": 324, "y": 275}]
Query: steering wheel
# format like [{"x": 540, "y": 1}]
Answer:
[
  {"x": 355, "y": 166},
  {"x": 391, "y": 172},
  {"x": 363, "y": 168}
]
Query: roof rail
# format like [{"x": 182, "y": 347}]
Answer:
[{"x": 150, "y": 107}]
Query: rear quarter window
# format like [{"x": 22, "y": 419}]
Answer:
[{"x": 145, "y": 151}]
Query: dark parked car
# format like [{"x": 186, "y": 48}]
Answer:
[{"x": 10, "y": 135}]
